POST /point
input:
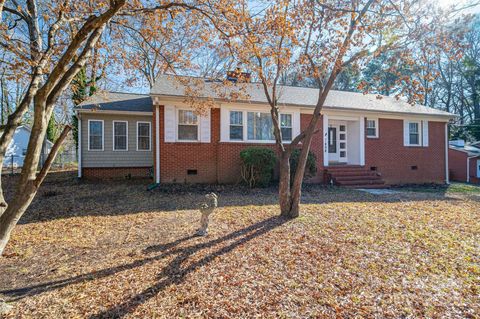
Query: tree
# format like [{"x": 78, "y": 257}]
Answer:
[
  {"x": 39, "y": 47},
  {"x": 320, "y": 39}
]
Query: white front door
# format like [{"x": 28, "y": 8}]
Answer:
[{"x": 337, "y": 141}]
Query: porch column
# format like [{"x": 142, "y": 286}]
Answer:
[
  {"x": 362, "y": 140},
  {"x": 325, "y": 140}
]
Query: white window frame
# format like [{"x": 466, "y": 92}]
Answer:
[
  {"x": 242, "y": 125},
  {"x": 150, "y": 136},
  {"x": 103, "y": 135},
  {"x": 291, "y": 124},
  {"x": 113, "y": 136},
  {"x": 177, "y": 122},
  {"x": 375, "y": 120},
  {"x": 420, "y": 130}
]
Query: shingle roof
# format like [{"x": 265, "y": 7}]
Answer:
[
  {"x": 167, "y": 85},
  {"x": 117, "y": 101}
]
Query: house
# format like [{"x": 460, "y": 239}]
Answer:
[
  {"x": 361, "y": 139},
  {"x": 17, "y": 149},
  {"x": 464, "y": 162}
]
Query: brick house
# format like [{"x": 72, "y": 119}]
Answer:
[
  {"x": 361, "y": 139},
  {"x": 464, "y": 162}
]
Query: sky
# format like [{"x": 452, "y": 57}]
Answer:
[{"x": 448, "y": 3}]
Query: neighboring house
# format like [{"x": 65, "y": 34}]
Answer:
[
  {"x": 361, "y": 139},
  {"x": 17, "y": 149},
  {"x": 464, "y": 162}
]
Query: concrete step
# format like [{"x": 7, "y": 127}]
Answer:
[
  {"x": 356, "y": 178},
  {"x": 375, "y": 186},
  {"x": 353, "y": 173},
  {"x": 361, "y": 182}
]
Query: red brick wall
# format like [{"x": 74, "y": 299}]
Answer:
[
  {"x": 115, "y": 172},
  {"x": 394, "y": 161},
  {"x": 220, "y": 161},
  {"x": 473, "y": 171},
  {"x": 457, "y": 162}
]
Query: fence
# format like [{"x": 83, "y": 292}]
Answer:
[{"x": 13, "y": 163}]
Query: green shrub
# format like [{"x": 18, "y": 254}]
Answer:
[
  {"x": 310, "y": 166},
  {"x": 257, "y": 166}
]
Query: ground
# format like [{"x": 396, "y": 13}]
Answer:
[{"x": 115, "y": 250}]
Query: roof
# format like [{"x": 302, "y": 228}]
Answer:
[
  {"x": 468, "y": 148},
  {"x": 117, "y": 101},
  {"x": 26, "y": 128},
  {"x": 167, "y": 85}
]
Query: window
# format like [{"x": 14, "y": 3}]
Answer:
[
  {"x": 143, "y": 136},
  {"x": 120, "y": 136},
  {"x": 259, "y": 126},
  {"x": 372, "y": 128},
  {"x": 187, "y": 126},
  {"x": 286, "y": 126},
  {"x": 414, "y": 133},
  {"x": 95, "y": 135},
  {"x": 236, "y": 126}
]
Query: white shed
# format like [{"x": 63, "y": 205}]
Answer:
[{"x": 17, "y": 149}]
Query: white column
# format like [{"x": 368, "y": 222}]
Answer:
[
  {"x": 79, "y": 143},
  {"x": 325, "y": 140},
  {"x": 362, "y": 140},
  {"x": 157, "y": 144},
  {"x": 447, "y": 178}
]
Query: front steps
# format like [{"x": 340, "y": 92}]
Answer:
[{"x": 353, "y": 176}]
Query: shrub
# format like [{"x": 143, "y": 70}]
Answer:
[
  {"x": 310, "y": 166},
  {"x": 257, "y": 166}
]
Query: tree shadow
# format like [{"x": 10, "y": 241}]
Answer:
[{"x": 172, "y": 274}]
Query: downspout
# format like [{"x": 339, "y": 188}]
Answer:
[
  {"x": 79, "y": 143},
  {"x": 468, "y": 167},
  {"x": 156, "y": 169},
  {"x": 447, "y": 177}
]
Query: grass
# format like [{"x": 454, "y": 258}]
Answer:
[{"x": 115, "y": 250}]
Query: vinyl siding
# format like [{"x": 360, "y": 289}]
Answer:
[{"x": 108, "y": 157}]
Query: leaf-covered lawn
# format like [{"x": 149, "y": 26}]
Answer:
[{"x": 113, "y": 250}]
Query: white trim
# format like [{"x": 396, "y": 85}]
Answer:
[
  {"x": 407, "y": 133},
  {"x": 113, "y": 136},
  {"x": 362, "y": 139},
  {"x": 149, "y": 135},
  {"x": 478, "y": 168},
  {"x": 103, "y": 135},
  {"x": 375, "y": 120},
  {"x": 79, "y": 144},
  {"x": 157, "y": 145},
  {"x": 447, "y": 173},
  {"x": 177, "y": 122}
]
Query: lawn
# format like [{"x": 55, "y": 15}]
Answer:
[{"x": 115, "y": 250}]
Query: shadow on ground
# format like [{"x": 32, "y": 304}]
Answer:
[
  {"x": 63, "y": 196},
  {"x": 172, "y": 274}
]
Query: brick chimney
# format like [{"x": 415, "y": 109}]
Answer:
[{"x": 239, "y": 76}]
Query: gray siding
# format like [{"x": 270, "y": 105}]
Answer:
[{"x": 108, "y": 157}]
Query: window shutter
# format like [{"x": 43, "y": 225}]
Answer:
[
  {"x": 169, "y": 123},
  {"x": 205, "y": 128},
  {"x": 406, "y": 135},
  {"x": 425, "y": 133}
]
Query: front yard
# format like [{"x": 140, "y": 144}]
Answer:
[{"x": 116, "y": 250}]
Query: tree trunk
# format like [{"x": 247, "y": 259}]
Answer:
[{"x": 284, "y": 193}]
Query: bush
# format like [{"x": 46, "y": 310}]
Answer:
[
  {"x": 257, "y": 166},
  {"x": 310, "y": 167}
]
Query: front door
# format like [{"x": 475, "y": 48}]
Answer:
[{"x": 337, "y": 142}]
